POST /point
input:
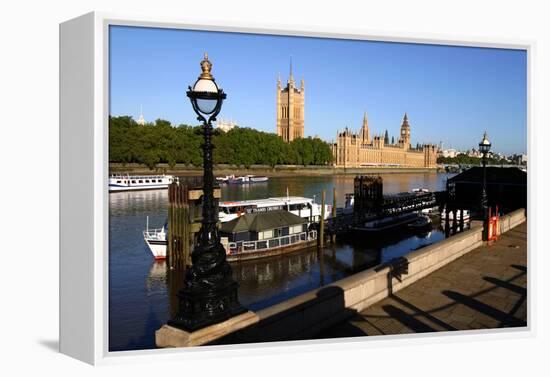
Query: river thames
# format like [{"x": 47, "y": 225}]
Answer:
[{"x": 139, "y": 292}]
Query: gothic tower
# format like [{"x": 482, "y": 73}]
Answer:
[
  {"x": 290, "y": 109},
  {"x": 141, "y": 119},
  {"x": 364, "y": 134},
  {"x": 405, "y": 134}
]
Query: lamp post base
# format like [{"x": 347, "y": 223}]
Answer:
[
  {"x": 210, "y": 293},
  {"x": 202, "y": 305}
]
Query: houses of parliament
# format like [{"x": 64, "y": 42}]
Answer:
[
  {"x": 355, "y": 150},
  {"x": 351, "y": 150}
]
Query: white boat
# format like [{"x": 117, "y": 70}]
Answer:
[
  {"x": 225, "y": 179},
  {"x": 306, "y": 208},
  {"x": 246, "y": 179},
  {"x": 263, "y": 234},
  {"x": 303, "y": 207},
  {"x": 139, "y": 182},
  {"x": 156, "y": 240}
]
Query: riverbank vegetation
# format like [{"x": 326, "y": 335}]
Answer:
[
  {"x": 464, "y": 159},
  {"x": 161, "y": 142}
]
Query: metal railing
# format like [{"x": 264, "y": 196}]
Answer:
[
  {"x": 252, "y": 246},
  {"x": 155, "y": 234}
]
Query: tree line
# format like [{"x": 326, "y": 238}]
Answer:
[
  {"x": 161, "y": 142},
  {"x": 464, "y": 159}
]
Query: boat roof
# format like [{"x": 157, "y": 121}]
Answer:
[
  {"x": 260, "y": 221},
  {"x": 277, "y": 201}
]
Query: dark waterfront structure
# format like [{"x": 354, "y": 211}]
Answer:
[
  {"x": 505, "y": 187},
  {"x": 209, "y": 294}
]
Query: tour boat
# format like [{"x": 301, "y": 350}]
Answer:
[
  {"x": 139, "y": 182},
  {"x": 247, "y": 179},
  {"x": 305, "y": 208},
  {"x": 263, "y": 234}
]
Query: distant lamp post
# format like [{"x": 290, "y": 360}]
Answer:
[
  {"x": 484, "y": 148},
  {"x": 209, "y": 295}
]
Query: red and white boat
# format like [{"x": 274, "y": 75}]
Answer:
[{"x": 156, "y": 240}]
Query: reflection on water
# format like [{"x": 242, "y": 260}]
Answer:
[{"x": 142, "y": 293}]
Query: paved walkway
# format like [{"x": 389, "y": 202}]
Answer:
[{"x": 486, "y": 288}]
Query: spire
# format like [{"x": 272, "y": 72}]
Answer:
[
  {"x": 365, "y": 132},
  {"x": 291, "y": 76},
  {"x": 141, "y": 119}
]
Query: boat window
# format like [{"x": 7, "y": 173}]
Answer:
[
  {"x": 117, "y": 181},
  {"x": 133, "y": 181},
  {"x": 295, "y": 229},
  {"x": 265, "y": 235},
  {"x": 140, "y": 181},
  {"x": 146, "y": 181}
]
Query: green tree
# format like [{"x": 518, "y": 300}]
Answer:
[{"x": 162, "y": 142}]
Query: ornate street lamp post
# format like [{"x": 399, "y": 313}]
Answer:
[
  {"x": 210, "y": 294},
  {"x": 484, "y": 148}
]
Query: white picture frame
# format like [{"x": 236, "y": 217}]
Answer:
[{"x": 84, "y": 99}]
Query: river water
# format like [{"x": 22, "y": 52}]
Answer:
[{"x": 140, "y": 293}]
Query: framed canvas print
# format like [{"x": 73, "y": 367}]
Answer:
[{"x": 229, "y": 186}]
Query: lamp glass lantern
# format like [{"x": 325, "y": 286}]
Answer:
[
  {"x": 205, "y": 95},
  {"x": 485, "y": 145}
]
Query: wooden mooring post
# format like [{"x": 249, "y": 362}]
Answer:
[
  {"x": 333, "y": 213},
  {"x": 321, "y": 237},
  {"x": 179, "y": 242},
  {"x": 184, "y": 222}
]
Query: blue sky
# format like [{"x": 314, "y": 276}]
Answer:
[{"x": 451, "y": 94}]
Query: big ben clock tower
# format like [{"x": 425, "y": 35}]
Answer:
[{"x": 405, "y": 134}]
